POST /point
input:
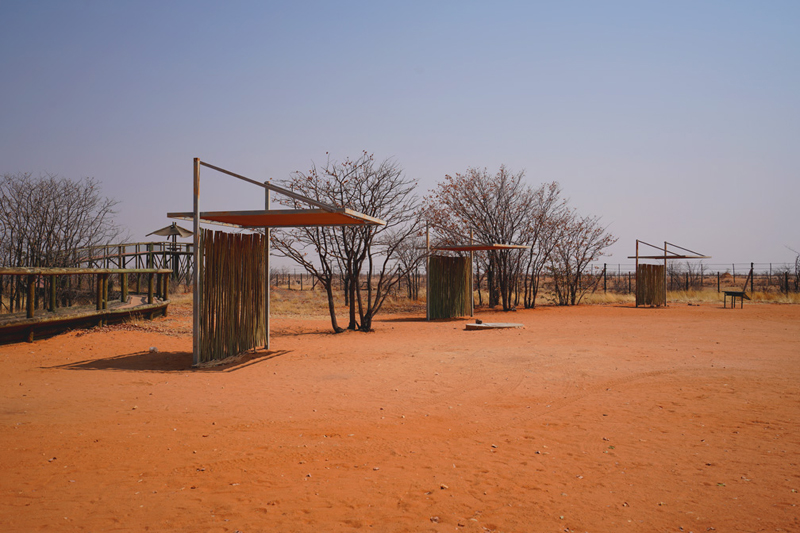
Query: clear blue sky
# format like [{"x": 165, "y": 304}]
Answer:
[{"x": 675, "y": 121}]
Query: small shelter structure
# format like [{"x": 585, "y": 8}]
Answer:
[
  {"x": 651, "y": 279},
  {"x": 173, "y": 231},
  {"x": 231, "y": 276},
  {"x": 450, "y": 278}
]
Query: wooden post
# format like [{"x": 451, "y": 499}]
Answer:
[
  {"x": 687, "y": 281},
  {"x": 99, "y": 292},
  {"x": 150, "y": 288},
  {"x": 105, "y": 290},
  {"x": 786, "y": 281},
  {"x": 124, "y": 286},
  {"x": 165, "y": 294},
  {"x": 196, "y": 273},
  {"x": 752, "y": 275},
  {"x": 604, "y": 278},
  {"x": 718, "y": 281},
  {"x": 32, "y": 295},
  {"x": 52, "y": 294}
]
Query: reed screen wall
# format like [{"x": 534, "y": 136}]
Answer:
[
  {"x": 232, "y": 310},
  {"x": 449, "y": 295},
  {"x": 650, "y": 285}
]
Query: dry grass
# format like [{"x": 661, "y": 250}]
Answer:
[{"x": 712, "y": 296}]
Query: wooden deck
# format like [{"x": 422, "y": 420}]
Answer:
[{"x": 16, "y": 327}]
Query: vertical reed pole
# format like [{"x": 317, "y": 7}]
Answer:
[{"x": 196, "y": 272}]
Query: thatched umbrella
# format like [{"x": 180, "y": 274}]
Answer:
[{"x": 174, "y": 231}]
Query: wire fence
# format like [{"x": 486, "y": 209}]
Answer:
[{"x": 767, "y": 277}]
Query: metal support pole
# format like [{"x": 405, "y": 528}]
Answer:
[
  {"x": 196, "y": 272},
  {"x": 637, "y": 274},
  {"x": 267, "y": 250},
  {"x": 428, "y": 272},
  {"x": 665, "y": 273},
  {"x": 471, "y": 276}
]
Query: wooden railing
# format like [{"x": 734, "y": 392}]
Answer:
[
  {"x": 176, "y": 257},
  {"x": 45, "y": 278}
]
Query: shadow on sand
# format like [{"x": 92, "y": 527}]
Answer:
[{"x": 147, "y": 361}]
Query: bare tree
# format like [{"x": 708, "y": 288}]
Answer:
[
  {"x": 45, "y": 221},
  {"x": 379, "y": 190},
  {"x": 497, "y": 208},
  {"x": 581, "y": 241},
  {"x": 547, "y": 218}
]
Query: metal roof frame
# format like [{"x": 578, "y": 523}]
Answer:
[{"x": 323, "y": 215}]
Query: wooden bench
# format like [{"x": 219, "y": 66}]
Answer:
[{"x": 741, "y": 294}]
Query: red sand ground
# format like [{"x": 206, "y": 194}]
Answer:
[{"x": 595, "y": 418}]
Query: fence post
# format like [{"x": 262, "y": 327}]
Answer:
[
  {"x": 604, "y": 277},
  {"x": 32, "y": 294},
  {"x": 786, "y": 281},
  {"x": 687, "y": 281},
  {"x": 99, "y": 292},
  {"x": 52, "y": 294},
  {"x": 124, "y": 283},
  {"x": 753, "y": 275},
  {"x": 717, "y": 281}
]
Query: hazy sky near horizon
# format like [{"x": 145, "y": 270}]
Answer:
[{"x": 675, "y": 121}]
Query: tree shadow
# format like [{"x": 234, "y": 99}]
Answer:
[
  {"x": 164, "y": 362},
  {"x": 420, "y": 319}
]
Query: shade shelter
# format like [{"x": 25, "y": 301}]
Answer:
[
  {"x": 173, "y": 231},
  {"x": 450, "y": 279},
  {"x": 231, "y": 275},
  {"x": 651, "y": 280}
]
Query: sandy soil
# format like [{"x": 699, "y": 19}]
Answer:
[{"x": 596, "y": 418}]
